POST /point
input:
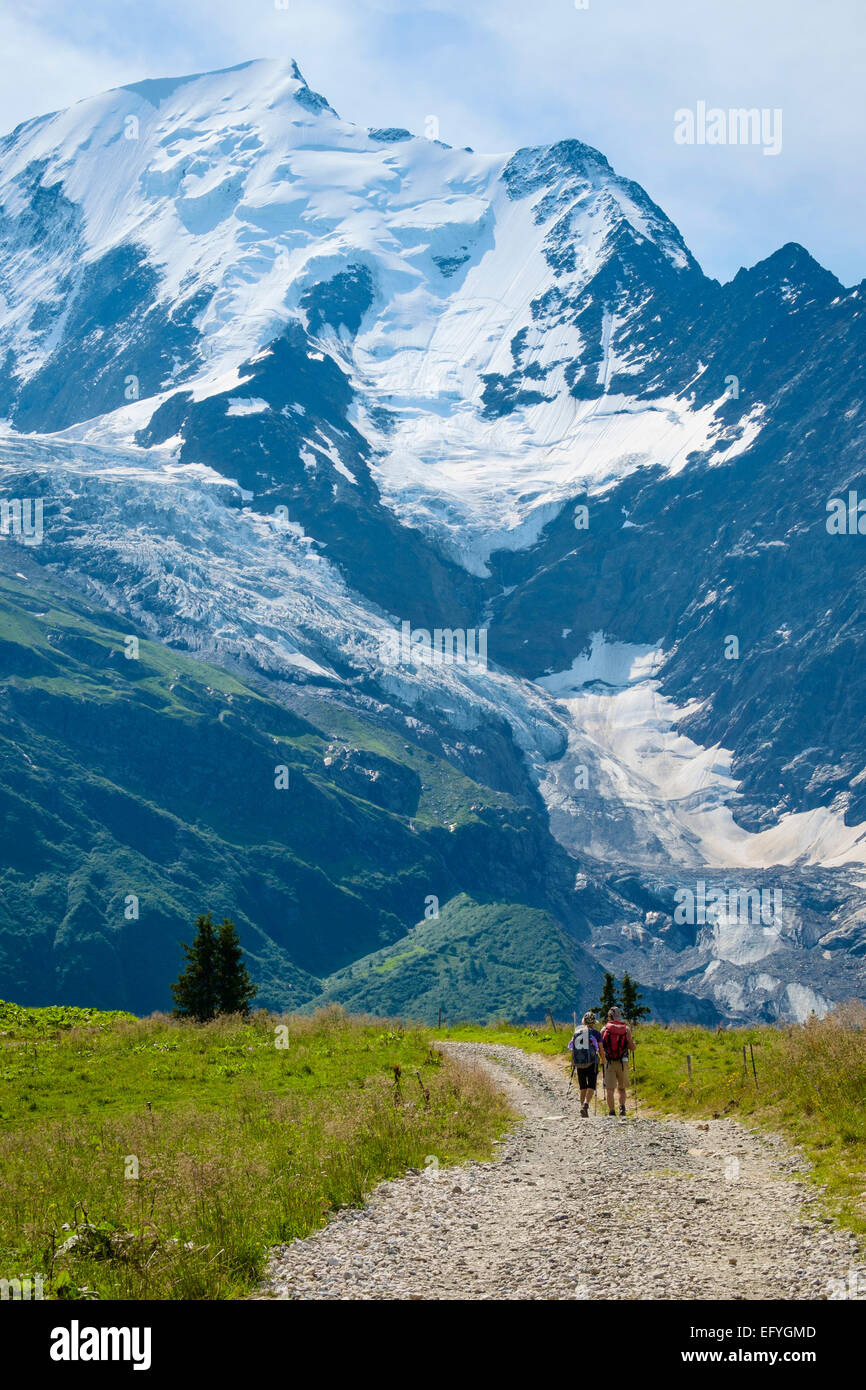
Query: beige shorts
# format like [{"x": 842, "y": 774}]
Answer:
[{"x": 616, "y": 1075}]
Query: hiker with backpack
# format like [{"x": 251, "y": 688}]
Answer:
[
  {"x": 586, "y": 1051},
  {"x": 617, "y": 1042}
]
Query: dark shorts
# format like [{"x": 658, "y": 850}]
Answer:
[{"x": 587, "y": 1077}]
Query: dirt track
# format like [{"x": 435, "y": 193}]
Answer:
[{"x": 657, "y": 1208}]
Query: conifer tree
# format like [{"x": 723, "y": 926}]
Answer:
[
  {"x": 195, "y": 993},
  {"x": 630, "y": 997},
  {"x": 608, "y": 997},
  {"x": 214, "y": 979},
  {"x": 234, "y": 986}
]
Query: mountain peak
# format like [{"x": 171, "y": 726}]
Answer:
[
  {"x": 794, "y": 271},
  {"x": 536, "y": 167},
  {"x": 263, "y": 73}
]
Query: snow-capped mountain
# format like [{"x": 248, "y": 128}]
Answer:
[
  {"x": 283, "y": 385},
  {"x": 478, "y": 306}
]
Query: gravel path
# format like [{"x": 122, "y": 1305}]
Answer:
[{"x": 668, "y": 1209}]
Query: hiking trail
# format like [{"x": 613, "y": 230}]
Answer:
[{"x": 647, "y": 1208}]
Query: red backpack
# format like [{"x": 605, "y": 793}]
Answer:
[{"x": 614, "y": 1040}]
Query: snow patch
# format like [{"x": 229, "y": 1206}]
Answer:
[
  {"x": 246, "y": 405},
  {"x": 802, "y": 1001},
  {"x": 608, "y": 662}
]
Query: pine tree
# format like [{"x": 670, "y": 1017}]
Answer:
[
  {"x": 234, "y": 987},
  {"x": 195, "y": 993},
  {"x": 608, "y": 996},
  {"x": 630, "y": 997}
]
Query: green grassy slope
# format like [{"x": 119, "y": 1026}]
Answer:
[
  {"x": 188, "y": 1150},
  {"x": 475, "y": 960}
]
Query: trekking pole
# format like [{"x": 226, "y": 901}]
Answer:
[
  {"x": 571, "y": 1077},
  {"x": 634, "y": 1078}
]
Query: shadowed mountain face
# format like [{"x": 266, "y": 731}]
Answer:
[
  {"x": 281, "y": 387},
  {"x": 138, "y": 782}
]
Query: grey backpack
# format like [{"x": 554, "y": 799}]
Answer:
[{"x": 582, "y": 1054}]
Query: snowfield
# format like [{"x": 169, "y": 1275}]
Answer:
[{"x": 668, "y": 790}]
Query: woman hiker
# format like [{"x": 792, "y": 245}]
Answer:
[{"x": 586, "y": 1051}]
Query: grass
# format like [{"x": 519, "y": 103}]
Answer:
[
  {"x": 21, "y": 1025},
  {"x": 531, "y": 1037},
  {"x": 154, "y": 1159},
  {"x": 811, "y": 1086}
]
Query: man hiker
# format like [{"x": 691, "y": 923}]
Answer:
[
  {"x": 585, "y": 1048},
  {"x": 617, "y": 1042}
]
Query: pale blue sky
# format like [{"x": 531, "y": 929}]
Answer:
[{"x": 504, "y": 73}]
